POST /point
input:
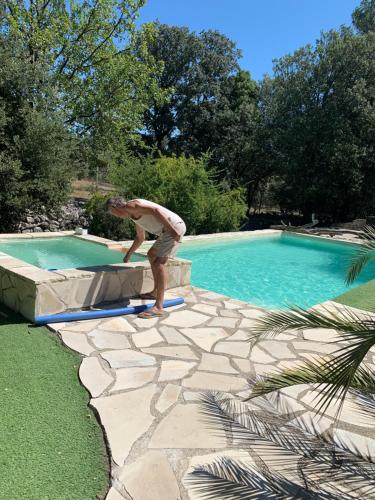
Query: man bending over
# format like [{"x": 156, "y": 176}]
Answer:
[{"x": 157, "y": 220}]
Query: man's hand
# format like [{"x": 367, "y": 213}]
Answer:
[{"x": 126, "y": 258}]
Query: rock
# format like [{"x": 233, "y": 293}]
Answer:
[
  {"x": 172, "y": 336},
  {"x": 215, "y": 363},
  {"x": 127, "y": 358},
  {"x": 93, "y": 376},
  {"x": 223, "y": 322},
  {"x": 277, "y": 349},
  {"x": 168, "y": 397},
  {"x": 205, "y": 338},
  {"x": 215, "y": 382},
  {"x": 64, "y": 218},
  {"x": 240, "y": 335},
  {"x": 125, "y": 418},
  {"x": 150, "y": 477},
  {"x": 78, "y": 342},
  {"x": 174, "y": 369},
  {"x": 361, "y": 446},
  {"x": 183, "y": 352},
  {"x": 243, "y": 364},
  {"x": 114, "y": 495},
  {"x": 185, "y": 318},
  {"x": 147, "y": 338},
  {"x": 259, "y": 356},
  {"x": 118, "y": 324},
  {"x": 183, "y": 428},
  {"x": 108, "y": 340},
  {"x": 205, "y": 308},
  {"x": 238, "y": 349},
  {"x": 131, "y": 378}
]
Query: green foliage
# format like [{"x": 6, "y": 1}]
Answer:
[
  {"x": 364, "y": 16},
  {"x": 105, "y": 225},
  {"x": 12, "y": 193},
  {"x": 195, "y": 70},
  {"x": 35, "y": 147},
  {"x": 341, "y": 372},
  {"x": 364, "y": 255},
  {"x": 185, "y": 186},
  {"x": 103, "y": 89},
  {"x": 318, "y": 113}
]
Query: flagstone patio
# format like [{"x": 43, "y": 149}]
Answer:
[{"x": 145, "y": 378}]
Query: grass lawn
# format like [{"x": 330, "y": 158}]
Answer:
[
  {"x": 51, "y": 446},
  {"x": 362, "y": 297}
]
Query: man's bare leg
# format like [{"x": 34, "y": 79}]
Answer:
[
  {"x": 160, "y": 283},
  {"x": 151, "y": 254}
]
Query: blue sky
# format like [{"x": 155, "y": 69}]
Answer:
[{"x": 262, "y": 29}]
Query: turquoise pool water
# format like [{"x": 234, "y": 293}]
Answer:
[
  {"x": 273, "y": 271},
  {"x": 62, "y": 253}
]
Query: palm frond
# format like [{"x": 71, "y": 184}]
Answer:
[
  {"x": 365, "y": 402},
  {"x": 339, "y": 371},
  {"x": 364, "y": 254},
  {"x": 345, "y": 321},
  {"x": 310, "y": 372},
  {"x": 251, "y": 430},
  {"x": 228, "y": 478}
]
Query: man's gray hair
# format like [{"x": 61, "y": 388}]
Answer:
[{"x": 115, "y": 202}]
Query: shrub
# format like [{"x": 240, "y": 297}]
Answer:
[
  {"x": 185, "y": 186},
  {"x": 36, "y": 148},
  {"x": 105, "y": 225}
]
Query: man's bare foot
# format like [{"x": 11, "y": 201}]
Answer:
[
  {"x": 151, "y": 313},
  {"x": 147, "y": 296}
]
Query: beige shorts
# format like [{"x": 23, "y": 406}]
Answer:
[{"x": 166, "y": 245}]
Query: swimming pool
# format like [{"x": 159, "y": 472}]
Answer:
[
  {"x": 63, "y": 253},
  {"x": 273, "y": 271}
]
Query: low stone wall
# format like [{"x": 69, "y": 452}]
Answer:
[
  {"x": 65, "y": 218},
  {"x": 73, "y": 289},
  {"x": 17, "y": 291}
]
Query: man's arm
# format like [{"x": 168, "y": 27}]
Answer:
[{"x": 139, "y": 239}]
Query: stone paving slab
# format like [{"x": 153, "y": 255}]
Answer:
[{"x": 146, "y": 378}]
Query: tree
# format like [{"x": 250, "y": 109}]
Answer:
[
  {"x": 363, "y": 16},
  {"x": 319, "y": 109},
  {"x": 194, "y": 69},
  {"x": 36, "y": 160},
  {"x": 86, "y": 46},
  {"x": 212, "y": 107},
  {"x": 229, "y": 128}
]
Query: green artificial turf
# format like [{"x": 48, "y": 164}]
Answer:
[
  {"x": 51, "y": 445},
  {"x": 362, "y": 297}
]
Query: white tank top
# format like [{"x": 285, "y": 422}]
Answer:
[{"x": 152, "y": 225}]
